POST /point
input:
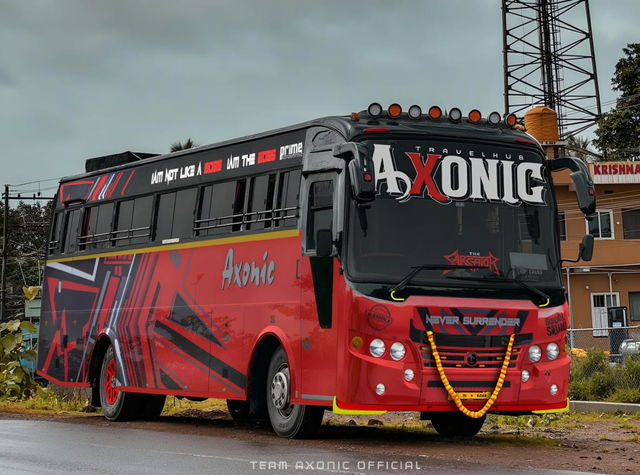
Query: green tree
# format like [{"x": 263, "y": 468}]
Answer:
[
  {"x": 618, "y": 132},
  {"x": 28, "y": 238},
  {"x": 177, "y": 146}
]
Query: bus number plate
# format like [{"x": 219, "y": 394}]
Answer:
[{"x": 474, "y": 395}]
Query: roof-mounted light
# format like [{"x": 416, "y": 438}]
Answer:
[
  {"x": 435, "y": 112},
  {"x": 395, "y": 110},
  {"x": 511, "y": 120},
  {"x": 474, "y": 116},
  {"x": 374, "y": 109},
  {"x": 414, "y": 112},
  {"x": 494, "y": 118},
  {"x": 455, "y": 114}
]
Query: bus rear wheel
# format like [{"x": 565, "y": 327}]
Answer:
[
  {"x": 288, "y": 420},
  {"x": 456, "y": 424}
]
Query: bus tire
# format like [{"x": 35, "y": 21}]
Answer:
[
  {"x": 151, "y": 406},
  {"x": 116, "y": 405},
  {"x": 456, "y": 424},
  {"x": 239, "y": 411},
  {"x": 288, "y": 420}
]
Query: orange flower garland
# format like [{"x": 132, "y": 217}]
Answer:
[{"x": 452, "y": 392}]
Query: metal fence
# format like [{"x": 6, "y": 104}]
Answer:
[{"x": 605, "y": 339}]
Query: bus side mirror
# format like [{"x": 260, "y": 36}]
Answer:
[
  {"x": 586, "y": 250},
  {"x": 585, "y": 190},
  {"x": 361, "y": 174},
  {"x": 586, "y": 247},
  {"x": 324, "y": 243}
]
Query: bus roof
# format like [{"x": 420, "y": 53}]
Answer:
[{"x": 350, "y": 129}]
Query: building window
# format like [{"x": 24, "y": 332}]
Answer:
[
  {"x": 634, "y": 304},
  {"x": 631, "y": 223},
  {"x": 562, "y": 226},
  {"x": 601, "y": 225}
]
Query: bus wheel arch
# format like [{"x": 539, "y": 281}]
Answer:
[
  {"x": 263, "y": 351},
  {"x": 95, "y": 366}
]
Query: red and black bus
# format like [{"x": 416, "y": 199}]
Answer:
[{"x": 381, "y": 261}]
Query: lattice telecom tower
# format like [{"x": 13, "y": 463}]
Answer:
[{"x": 549, "y": 61}]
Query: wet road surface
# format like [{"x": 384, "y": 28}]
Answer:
[{"x": 40, "y": 446}]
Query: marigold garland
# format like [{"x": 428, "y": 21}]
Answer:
[{"x": 452, "y": 392}]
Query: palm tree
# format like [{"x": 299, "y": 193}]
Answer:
[
  {"x": 177, "y": 146},
  {"x": 579, "y": 147}
]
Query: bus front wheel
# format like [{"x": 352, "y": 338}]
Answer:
[
  {"x": 456, "y": 424},
  {"x": 120, "y": 405},
  {"x": 288, "y": 420}
]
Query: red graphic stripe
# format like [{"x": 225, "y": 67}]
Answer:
[{"x": 127, "y": 182}]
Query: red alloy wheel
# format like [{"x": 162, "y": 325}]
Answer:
[{"x": 109, "y": 383}]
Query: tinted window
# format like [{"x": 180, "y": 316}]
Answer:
[
  {"x": 222, "y": 208},
  {"x": 320, "y": 210},
  {"x": 88, "y": 228},
  {"x": 261, "y": 201},
  {"x": 141, "y": 222},
  {"x": 54, "y": 241},
  {"x": 164, "y": 216},
  {"x": 124, "y": 216},
  {"x": 103, "y": 226},
  {"x": 288, "y": 198},
  {"x": 183, "y": 213},
  {"x": 72, "y": 225}
]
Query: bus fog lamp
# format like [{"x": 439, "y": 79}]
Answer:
[
  {"x": 397, "y": 351},
  {"x": 553, "y": 390},
  {"x": 380, "y": 389},
  {"x": 524, "y": 376},
  {"x": 408, "y": 375},
  {"x": 376, "y": 348},
  {"x": 535, "y": 353},
  {"x": 552, "y": 351}
]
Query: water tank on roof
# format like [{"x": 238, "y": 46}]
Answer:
[{"x": 542, "y": 123}]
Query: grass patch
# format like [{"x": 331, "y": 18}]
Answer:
[
  {"x": 45, "y": 401},
  {"x": 594, "y": 379}
]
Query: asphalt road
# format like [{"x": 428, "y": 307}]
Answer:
[{"x": 39, "y": 446}]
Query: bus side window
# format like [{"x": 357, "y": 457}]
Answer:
[
  {"x": 183, "y": 213},
  {"x": 124, "y": 215},
  {"x": 102, "y": 237},
  {"x": 141, "y": 220},
  {"x": 320, "y": 210},
  {"x": 175, "y": 214},
  {"x": 221, "y": 208},
  {"x": 164, "y": 216},
  {"x": 288, "y": 199},
  {"x": 204, "y": 207},
  {"x": 71, "y": 228},
  {"x": 260, "y": 203},
  {"x": 54, "y": 240},
  {"x": 88, "y": 228}
]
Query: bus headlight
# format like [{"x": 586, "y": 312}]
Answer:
[
  {"x": 397, "y": 351},
  {"x": 376, "y": 348},
  {"x": 552, "y": 351},
  {"x": 535, "y": 353}
]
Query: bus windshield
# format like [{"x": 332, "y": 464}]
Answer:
[{"x": 484, "y": 208}]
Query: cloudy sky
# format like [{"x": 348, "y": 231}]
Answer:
[{"x": 82, "y": 78}]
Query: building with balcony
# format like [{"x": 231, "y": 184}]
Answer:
[{"x": 612, "y": 278}]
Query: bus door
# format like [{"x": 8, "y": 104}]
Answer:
[{"x": 317, "y": 323}]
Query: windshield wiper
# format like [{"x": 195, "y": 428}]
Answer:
[
  {"x": 498, "y": 278},
  {"x": 416, "y": 269}
]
